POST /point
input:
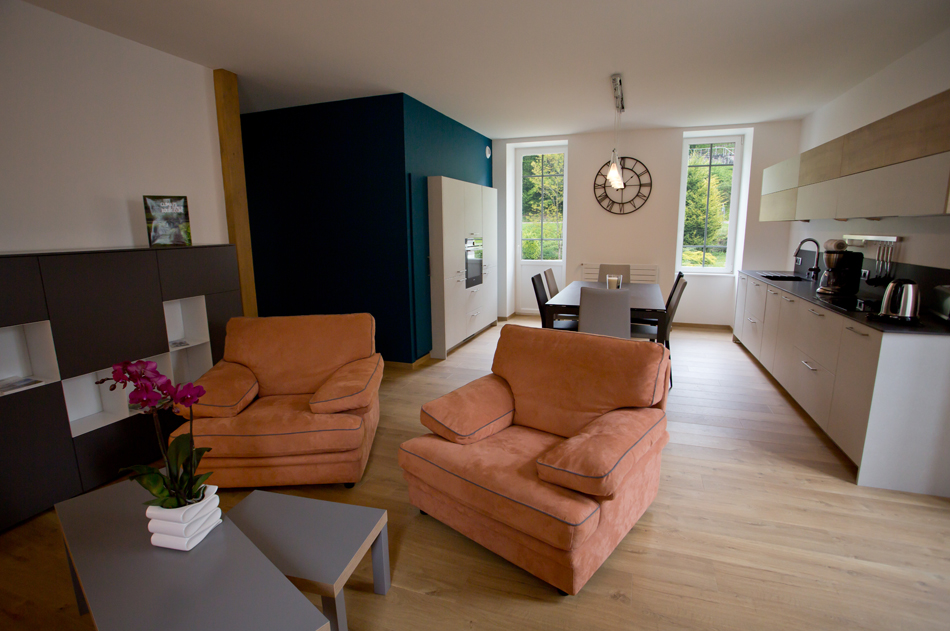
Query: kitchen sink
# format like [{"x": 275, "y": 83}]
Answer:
[{"x": 782, "y": 277}]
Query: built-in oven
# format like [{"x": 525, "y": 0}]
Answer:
[{"x": 473, "y": 262}]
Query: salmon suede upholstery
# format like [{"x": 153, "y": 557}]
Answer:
[
  {"x": 598, "y": 459},
  {"x": 352, "y": 386},
  {"x": 295, "y": 401},
  {"x": 296, "y": 354},
  {"x": 562, "y": 380},
  {"x": 229, "y": 388},
  {"x": 555, "y": 486},
  {"x": 473, "y": 412}
]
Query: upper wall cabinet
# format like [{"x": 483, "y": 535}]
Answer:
[
  {"x": 104, "y": 308},
  {"x": 187, "y": 272},
  {"x": 22, "y": 288},
  {"x": 890, "y": 168}
]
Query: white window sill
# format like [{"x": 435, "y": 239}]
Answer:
[{"x": 686, "y": 273}]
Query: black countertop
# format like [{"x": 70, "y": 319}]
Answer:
[{"x": 929, "y": 324}]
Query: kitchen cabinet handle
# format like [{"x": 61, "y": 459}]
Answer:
[
  {"x": 809, "y": 367},
  {"x": 787, "y": 299},
  {"x": 853, "y": 330},
  {"x": 774, "y": 293},
  {"x": 751, "y": 320},
  {"x": 755, "y": 283},
  {"x": 820, "y": 315},
  {"x": 743, "y": 278}
]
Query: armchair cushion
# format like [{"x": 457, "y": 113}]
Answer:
[
  {"x": 597, "y": 460},
  {"x": 352, "y": 386},
  {"x": 473, "y": 412},
  {"x": 229, "y": 388},
  {"x": 563, "y": 381}
]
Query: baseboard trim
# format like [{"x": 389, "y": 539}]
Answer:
[
  {"x": 708, "y": 327},
  {"x": 413, "y": 366}
]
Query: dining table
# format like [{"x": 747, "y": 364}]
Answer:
[{"x": 646, "y": 302}]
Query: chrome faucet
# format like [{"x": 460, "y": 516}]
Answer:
[{"x": 812, "y": 271}]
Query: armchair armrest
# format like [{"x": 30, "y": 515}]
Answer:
[
  {"x": 473, "y": 412},
  {"x": 352, "y": 386},
  {"x": 597, "y": 460},
  {"x": 229, "y": 388}
]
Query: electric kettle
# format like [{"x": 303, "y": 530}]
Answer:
[{"x": 901, "y": 301}]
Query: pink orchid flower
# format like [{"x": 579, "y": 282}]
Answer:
[
  {"x": 186, "y": 394},
  {"x": 144, "y": 396}
]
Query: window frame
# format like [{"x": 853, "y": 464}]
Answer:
[
  {"x": 520, "y": 153},
  {"x": 734, "y": 203}
]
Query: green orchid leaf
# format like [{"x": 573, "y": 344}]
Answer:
[
  {"x": 138, "y": 469},
  {"x": 154, "y": 483},
  {"x": 199, "y": 452},
  {"x": 201, "y": 480},
  {"x": 178, "y": 452},
  {"x": 170, "y": 502}
]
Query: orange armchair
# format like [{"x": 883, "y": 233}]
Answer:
[
  {"x": 551, "y": 459},
  {"x": 294, "y": 401}
]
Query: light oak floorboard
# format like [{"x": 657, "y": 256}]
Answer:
[{"x": 758, "y": 525}]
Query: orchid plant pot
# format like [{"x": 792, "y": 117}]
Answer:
[{"x": 184, "y": 509}]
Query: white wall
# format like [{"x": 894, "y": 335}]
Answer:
[
  {"x": 649, "y": 235},
  {"x": 91, "y": 122},
  {"x": 918, "y": 75}
]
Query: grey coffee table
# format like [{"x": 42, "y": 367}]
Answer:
[
  {"x": 316, "y": 544},
  {"x": 127, "y": 584}
]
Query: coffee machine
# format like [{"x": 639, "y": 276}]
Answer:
[{"x": 842, "y": 275}]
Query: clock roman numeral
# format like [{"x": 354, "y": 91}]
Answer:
[{"x": 642, "y": 196}]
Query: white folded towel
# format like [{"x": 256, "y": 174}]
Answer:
[
  {"x": 185, "y": 530},
  {"x": 181, "y": 543},
  {"x": 835, "y": 245},
  {"x": 183, "y": 514}
]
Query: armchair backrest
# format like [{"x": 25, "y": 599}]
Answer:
[
  {"x": 297, "y": 354},
  {"x": 563, "y": 380}
]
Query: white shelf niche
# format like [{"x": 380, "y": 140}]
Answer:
[
  {"x": 186, "y": 320},
  {"x": 26, "y": 350},
  {"x": 188, "y": 364},
  {"x": 91, "y": 406}
]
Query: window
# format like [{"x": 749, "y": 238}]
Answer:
[
  {"x": 711, "y": 190},
  {"x": 542, "y": 206}
]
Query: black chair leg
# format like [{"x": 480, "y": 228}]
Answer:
[{"x": 667, "y": 344}]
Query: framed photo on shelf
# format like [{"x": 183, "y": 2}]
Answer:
[{"x": 166, "y": 219}]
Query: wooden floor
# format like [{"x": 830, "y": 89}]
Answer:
[{"x": 758, "y": 525}]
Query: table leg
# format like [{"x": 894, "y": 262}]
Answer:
[
  {"x": 547, "y": 318},
  {"x": 335, "y": 610},
  {"x": 77, "y": 588},
  {"x": 661, "y": 327},
  {"x": 380, "y": 552}
]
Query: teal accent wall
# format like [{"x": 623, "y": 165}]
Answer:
[{"x": 337, "y": 201}]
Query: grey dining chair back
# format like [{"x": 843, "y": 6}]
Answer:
[
  {"x": 676, "y": 283},
  {"x": 541, "y": 296},
  {"x": 552, "y": 284},
  {"x": 605, "y": 312},
  {"x": 671, "y": 306},
  {"x": 616, "y": 270}
]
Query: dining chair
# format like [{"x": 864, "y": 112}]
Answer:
[
  {"x": 617, "y": 270},
  {"x": 653, "y": 321},
  {"x": 605, "y": 312},
  {"x": 542, "y": 297},
  {"x": 649, "y": 332},
  {"x": 553, "y": 291}
]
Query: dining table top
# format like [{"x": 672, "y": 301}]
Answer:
[{"x": 643, "y": 296}]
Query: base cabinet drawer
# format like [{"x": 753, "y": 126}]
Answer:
[
  {"x": 752, "y": 333},
  {"x": 773, "y": 309},
  {"x": 812, "y": 386},
  {"x": 782, "y": 364},
  {"x": 854, "y": 384},
  {"x": 819, "y": 333},
  {"x": 739, "y": 318}
]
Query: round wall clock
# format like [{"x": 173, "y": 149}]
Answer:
[{"x": 635, "y": 193}]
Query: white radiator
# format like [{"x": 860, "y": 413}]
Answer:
[{"x": 638, "y": 273}]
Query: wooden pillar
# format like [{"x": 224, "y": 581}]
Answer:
[{"x": 235, "y": 190}]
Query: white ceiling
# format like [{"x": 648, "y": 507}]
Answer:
[{"x": 514, "y": 68}]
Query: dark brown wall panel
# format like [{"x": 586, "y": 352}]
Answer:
[
  {"x": 21, "y": 291},
  {"x": 103, "y": 452},
  {"x": 221, "y": 308},
  {"x": 37, "y": 462},
  {"x": 196, "y": 271},
  {"x": 104, "y": 307}
]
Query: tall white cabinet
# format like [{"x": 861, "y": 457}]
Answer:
[{"x": 459, "y": 211}]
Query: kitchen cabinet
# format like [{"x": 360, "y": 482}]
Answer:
[
  {"x": 916, "y": 187},
  {"x": 754, "y": 318},
  {"x": 821, "y": 163},
  {"x": 459, "y": 211},
  {"x": 785, "y": 334},
  {"x": 819, "y": 333},
  {"x": 779, "y": 206},
  {"x": 857, "y": 368},
  {"x": 812, "y": 385},
  {"x": 920, "y": 130},
  {"x": 817, "y": 201},
  {"x": 773, "y": 307},
  {"x": 781, "y": 176},
  {"x": 739, "y": 317}
]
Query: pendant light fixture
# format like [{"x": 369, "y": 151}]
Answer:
[{"x": 615, "y": 174}]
